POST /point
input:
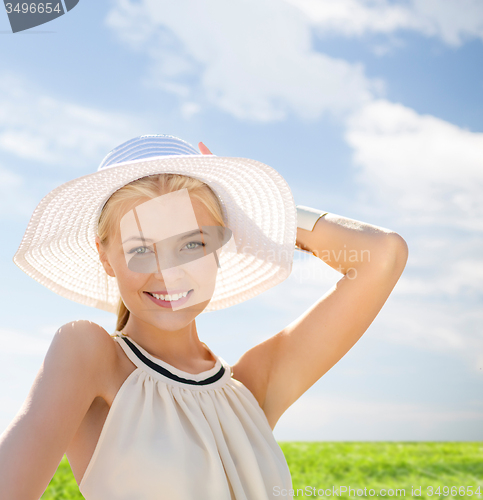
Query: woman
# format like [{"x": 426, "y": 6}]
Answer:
[{"x": 160, "y": 234}]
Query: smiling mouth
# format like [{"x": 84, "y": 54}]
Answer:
[{"x": 169, "y": 298}]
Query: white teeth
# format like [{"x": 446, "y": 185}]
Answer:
[{"x": 170, "y": 298}]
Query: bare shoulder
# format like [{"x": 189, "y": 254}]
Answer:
[
  {"x": 87, "y": 336},
  {"x": 89, "y": 344}
]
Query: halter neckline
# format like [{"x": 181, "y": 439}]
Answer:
[{"x": 145, "y": 359}]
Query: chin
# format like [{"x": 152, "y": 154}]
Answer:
[{"x": 175, "y": 320}]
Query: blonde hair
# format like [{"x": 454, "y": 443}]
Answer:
[{"x": 151, "y": 187}]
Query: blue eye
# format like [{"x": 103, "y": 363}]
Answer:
[
  {"x": 135, "y": 250},
  {"x": 198, "y": 243}
]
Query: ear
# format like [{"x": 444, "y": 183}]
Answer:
[{"x": 103, "y": 258}]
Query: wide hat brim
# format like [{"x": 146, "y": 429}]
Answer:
[{"x": 58, "y": 248}]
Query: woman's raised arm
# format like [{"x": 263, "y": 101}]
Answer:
[
  {"x": 67, "y": 383},
  {"x": 372, "y": 259}
]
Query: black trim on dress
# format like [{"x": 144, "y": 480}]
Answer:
[{"x": 167, "y": 373}]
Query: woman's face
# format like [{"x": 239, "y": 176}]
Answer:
[{"x": 164, "y": 257}]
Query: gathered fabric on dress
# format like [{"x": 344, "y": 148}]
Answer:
[{"x": 171, "y": 434}]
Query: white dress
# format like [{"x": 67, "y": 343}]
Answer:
[{"x": 175, "y": 435}]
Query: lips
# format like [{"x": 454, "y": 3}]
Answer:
[{"x": 169, "y": 304}]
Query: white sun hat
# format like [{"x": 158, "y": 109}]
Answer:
[{"x": 58, "y": 248}]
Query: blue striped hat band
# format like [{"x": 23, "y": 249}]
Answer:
[{"x": 147, "y": 146}]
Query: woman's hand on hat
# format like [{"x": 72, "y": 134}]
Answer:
[{"x": 203, "y": 149}]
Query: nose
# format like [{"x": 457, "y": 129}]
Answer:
[{"x": 170, "y": 275}]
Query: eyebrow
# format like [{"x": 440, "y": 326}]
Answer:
[
  {"x": 196, "y": 232},
  {"x": 137, "y": 238}
]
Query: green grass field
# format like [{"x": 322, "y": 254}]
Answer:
[{"x": 453, "y": 467}]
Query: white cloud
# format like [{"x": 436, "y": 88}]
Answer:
[
  {"x": 448, "y": 328},
  {"x": 255, "y": 59},
  {"x": 336, "y": 417},
  {"x": 422, "y": 172},
  {"x": 388, "y": 46},
  {"x": 453, "y": 21},
  {"x": 427, "y": 169},
  {"x": 354, "y": 17},
  {"x": 15, "y": 342},
  {"x": 459, "y": 276},
  {"x": 13, "y": 197},
  {"x": 39, "y": 127},
  {"x": 189, "y": 109},
  {"x": 252, "y": 59}
]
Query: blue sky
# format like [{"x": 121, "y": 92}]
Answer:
[{"x": 370, "y": 109}]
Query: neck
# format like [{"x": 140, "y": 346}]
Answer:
[{"x": 176, "y": 347}]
